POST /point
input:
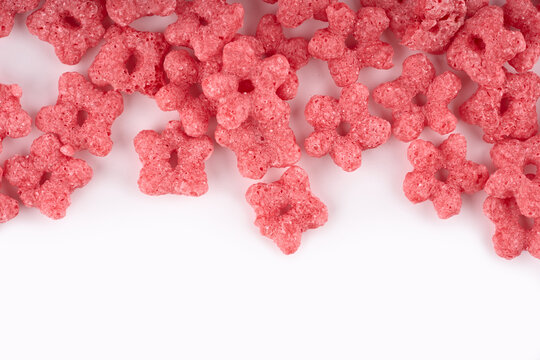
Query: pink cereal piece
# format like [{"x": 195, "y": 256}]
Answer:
[
  {"x": 346, "y": 59},
  {"x": 72, "y": 27},
  {"x": 505, "y": 112},
  {"x": 286, "y": 208},
  {"x": 512, "y": 235},
  {"x": 403, "y": 95},
  {"x": 483, "y": 45},
  {"x": 442, "y": 174},
  {"x": 124, "y": 12},
  {"x": 182, "y": 92},
  {"x": 292, "y": 13},
  {"x": 130, "y": 61},
  {"x": 8, "y": 10},
  {"x": 14, "y": 121},
  {"x": 247, "y": 84},
  {"x": 46, "y": 178},
  {"x": 513, "y": 177},
  {"x": 9, "y": 207},
  {"x": 205, "y": 26},
  {"x": 474, "y": 5},
  {"x": 82, "y": 117},
  {"x": 173, "y": 163},
  {"x": 270, "y": 34},
  {"x": 259, "y": 146},
  {"x": 331, "y": 117},
  {"x": 523, "y": 15}
]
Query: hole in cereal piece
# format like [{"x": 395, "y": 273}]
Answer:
[
  {"x": 245, "y": 86},
  {"x": 445, "y": 17},
  {"x": 284, "y": 210},
  {"x": 435, "y": 29},
  {"x": 442, "y": 175},
  {"x": 131, "y": 63},
  {"x": 81, "y": 117},
  {"x": 505, "y": 104},
  {"x": 351, "y": 42},
  {"x": 44, "y": 178},
  {"x": 478, "y": 44},
  {"x": 344, "y": 128},
  {"x": 530, "y": 170},
  {"x": 526, "y": 223},
  {"x": 195, "y": 90},
  {"x": 420, "y": 99},
  {"x": 203, "y": 21},
  {"x": 70, "y": 21},
  {"x": 173, "y": 159}
]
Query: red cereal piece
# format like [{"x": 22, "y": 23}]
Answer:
[
  {"x": 173, "y": 163},
  {"x": 474, "y": 5},
  {"x": 404, "y": 96},
  {"x": 513, "y": 179},
  {"x": 483, "y": 45},
  {"x": 247, "y": 84},
  {"x": 124, "y": 12},
  {"x": 205, "y": 26},
  {"x": 286, "y": 208},
  {"x": 72, "y": 27},
  {"x": 14, "y": 121},
  {"x": 9, "y": 207},
  {"x": 347, "y": 57},
  {"x": 292, "y": 13},
  {"x": 270, "y": 34},
  {"x": 130, "y": 61},
  {"x": 259, "y": 145},
  {"x": 8, "y": 10},
  {"x": 523, "y": 15},
  {"x": 512, "y": 235},
  {"x": 505, "y": 112},
  {"x": 442, "y": 174},
  {"x": 331, "y": 117},
  {"x": 46, "y": 178},
  {"x": 82, "y": 117},
  {"x": 182, "y": 93}
]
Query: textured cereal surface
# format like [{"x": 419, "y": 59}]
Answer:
[
  {"x": 292, "y": 13},
  {"x": 9, "y": 207},
  {"x": 124, "y": 12},
  {"x": 10, "y": 8},
  {"x": 523, "y": 15},
  {"x": 14, "y": 121}
]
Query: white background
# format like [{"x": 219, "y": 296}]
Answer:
[{"x": 128, "y": 276}]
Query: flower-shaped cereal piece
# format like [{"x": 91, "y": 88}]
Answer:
[
  {"x": 173, "y": 163},
  {"x": 205, "y": 26},
  {"x": 442, "y": 174},
  {"x": 130, "y": 61},
  {"x": 14, "y": 121},
  {"x": 404, "y": 96},
  {"x": 46, "y": 178},
  {"x": 505, "y": 112},
  {"x": 9, "y": 207},
  {"x": 292, "y": 13},
  {"x": 124, "y": 12},
  {"x": 8, "y": 10},
  {"x": 286, "y": 208},
  {"x": 330, "y": 119},
  {"x": 513, "y": 158},
  {"x": 351, "y": 42},
  {"x": 72, "y": 27},
  {"x": 259, "y": 146},
  {"x": 483, "y": 45},
  {"x": 82, "y": 117},
  {"x": 523, "y": 15},
  {"x": 247, "y": 84},
  {"x": 513, "y": 233},
  {"x": 270, "y": 34},
  {"x": 182, "y": 92}
]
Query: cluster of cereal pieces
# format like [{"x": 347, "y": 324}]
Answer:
[{"x": 203, "y": 68}]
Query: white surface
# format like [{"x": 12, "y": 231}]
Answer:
[{"x": 127, "y": 276}]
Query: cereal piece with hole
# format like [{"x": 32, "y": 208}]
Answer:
[
  {"x": 418, "y": 99},
  {"x": 351, "y": 42},
  {"x": 82, "y": 117},
  {"x": 173, "y": 163},
  {"x": 286, "y": 208},
  {"x": 9, "y": 207},
  {"x": 205, "y": 26},
  {"x": 124, "y": 12},
  {"x": 344, "y": 128},
  {"x": 441, "y": 174},
  {"x": 8, "y": 10},
  {"x": 292, "y": 13},
  {"x": 46, "y": 178},
  {"x": 130, "y": 61},
  {"x": 484, "y": 45},
  {"x": 72, "y": 27},
  {"x": 14, "y": 121},
  {"x": 506, "y": 112}
]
